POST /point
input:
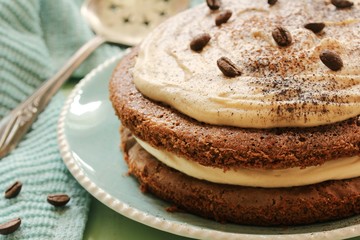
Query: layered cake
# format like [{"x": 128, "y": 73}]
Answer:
[{"x": 247, "y": 111}]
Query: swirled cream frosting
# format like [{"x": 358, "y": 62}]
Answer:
[{"x": 279, "y": 86}]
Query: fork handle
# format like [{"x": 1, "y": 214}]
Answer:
[{"x": 14, "y": 126}]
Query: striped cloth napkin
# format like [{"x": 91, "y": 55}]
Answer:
[{"x": 36, "y": 38}]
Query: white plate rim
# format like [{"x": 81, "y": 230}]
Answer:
[{"x": 173, "y": 227}]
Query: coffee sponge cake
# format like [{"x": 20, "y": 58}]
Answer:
[{"x": 258, "y": 123}]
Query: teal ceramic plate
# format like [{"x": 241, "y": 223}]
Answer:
[{"x": 89, "y": 144}]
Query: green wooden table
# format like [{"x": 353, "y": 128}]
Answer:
[{"x": 104, "y": 223}]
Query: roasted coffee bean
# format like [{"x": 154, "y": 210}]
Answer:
[
  {"x": 213, "y": 4},
  {"x": 13, "y": 190},
  {"x": 315, "y": 27},
  {"x": 228, "y": 68},
  {"x": 331, "y": 59},
  {"x": 58, "y": 200},
  {"x": 10, "y": 226},
  {"x": 272, "y": 2},
  {"x": 223, "y": 17},
  {"x": 199, "y": 42},
  {"x": 342, "y": 3},
  {"x": 282, "y": 36}
]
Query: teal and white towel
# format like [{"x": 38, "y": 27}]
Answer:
[{"x": 36, "y": 38}]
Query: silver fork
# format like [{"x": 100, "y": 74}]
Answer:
[{"x": 14, "y": 126}]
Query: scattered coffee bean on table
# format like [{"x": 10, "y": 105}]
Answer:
[
  {"x": 10, "y": 226},
  {"x": 13, "y": 190},
  {"x": 58, "y": 200}
]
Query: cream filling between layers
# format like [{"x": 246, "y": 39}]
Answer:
[
  {"x": 337, "y": 169},
  {"x": 279, "y": 86}
]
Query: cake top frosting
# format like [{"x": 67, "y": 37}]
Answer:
[{"x": 252, "y": 64}]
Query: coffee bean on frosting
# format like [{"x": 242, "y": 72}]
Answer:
[
  {"x": 342, "y": 3},
  {"x": 282, "y": 36},
  {"x": 272, "y": 2},
  {"x": 199, "y": 42},
  {"x": 331, "y": 59},
  {"x": 223, "y": 17},
  {"x": 13, "y": 190},
  {"x": 213, "y": 4},
  {"x": 227, "y": 67},
  {"x": 316, "y": 27}
]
